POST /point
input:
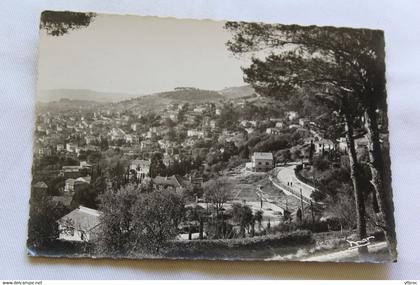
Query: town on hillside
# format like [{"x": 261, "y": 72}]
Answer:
[{"x": 278, "y": 169}]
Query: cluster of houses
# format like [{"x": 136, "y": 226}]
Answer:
[{"x": 77, "y": 132}]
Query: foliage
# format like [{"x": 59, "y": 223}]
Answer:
[
  {"x": 228, "y": 118},
  {"x": 357, "y": 55},
  {"x": 43, "y": 216},
  {"x": 342, "y": 206},
  {"x": 217, "y": 192},
  {"x": 283, "y": 156},
  {"x": 133, "y": 221},
  {"x": 59, "y": 23},
  {"x": 242, "y": 214},
  {"x": 157, "y": 167},
  {"x": 321, "y": 164},
  {"x": 117, "y": 234},
  {"x": 272, "y": 143},
  {"x": 157, "y": 216},
  {"x": 86, "y": 194},
  {"x": 207, "y": 246}
]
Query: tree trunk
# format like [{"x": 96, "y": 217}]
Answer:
[
  {"x": 381, "y": 181},
  {"x": 356, "y": 180},
  {"x": 201, "y": 229}
]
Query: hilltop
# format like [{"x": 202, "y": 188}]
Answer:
[
  {"x": 66, "y": 98},
  {"x": 158, "y": 101},
  {"x": 238, "y": 92}
]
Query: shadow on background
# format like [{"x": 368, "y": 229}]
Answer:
[{"x": 233, "y": 269}]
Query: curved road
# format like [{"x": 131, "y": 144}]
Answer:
[{"x": 286, "y": 174}]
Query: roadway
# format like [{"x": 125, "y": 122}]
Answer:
[{"x": 286, "y": 176}]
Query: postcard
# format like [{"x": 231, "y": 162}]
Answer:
[{"x": 219, "y": 140}]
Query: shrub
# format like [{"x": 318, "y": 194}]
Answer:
[
  {"x": 279, "y": 239},
  {"x": 321, "y": 164}
]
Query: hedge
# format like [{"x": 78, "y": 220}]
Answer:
[{"x": 271, "y": 240}]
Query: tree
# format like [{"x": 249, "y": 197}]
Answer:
[
  {"x": 244, "y": 152},
  {"x": 117, "y": 235},
  {"x": 157, "y": 167},
  {"x": 284, "y": 156},
  {"x": 242, "y": 214},
  {"x": 84, "y": 194},
  {"x": 55, "y": 185},
  {"x": 134, "y": 222},
  {"x": 43, "y": 215},
  {"x": 259, "y": 217},
  {"x": 169, "y": 123},
  {"x": 100, "y": 185},
  {"x": 59, "y": 23},
  {"x": 296, "y": 69},
  {"x": 354, "y": 61},
  {"x": 311, "y": 151},
  {"x": 341, "y": 206},
  {"x": 157, "y": 215},
  {"x": 217, "y": 192}
]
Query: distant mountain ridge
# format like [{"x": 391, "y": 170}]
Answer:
[
  {"x": 66, "y": 98},
  {"x": 178, "y": 94},
  {"x": 82, "y": 94}
]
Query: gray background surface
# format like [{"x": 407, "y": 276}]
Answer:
[{"x": 18, "y": 60}]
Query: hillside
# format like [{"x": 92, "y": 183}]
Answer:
[
  {"x": 159, "y": 101},
  {"x": 192, "y": 95},
  {"x": 67, "y": 104},
  {"x": 238, "y": 92},
  {"x": 67, "y": 98}
]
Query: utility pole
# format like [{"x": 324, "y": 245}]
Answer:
[
  {"x": 312, "y": 212},
  {"x": 301, "y": 203}
]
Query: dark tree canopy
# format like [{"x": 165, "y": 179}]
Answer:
[
  {"x": 58, "y": 23},
  {"x": 359, "y": 53}
]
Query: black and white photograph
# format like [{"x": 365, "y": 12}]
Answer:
[{"x": 166, "y": 138}]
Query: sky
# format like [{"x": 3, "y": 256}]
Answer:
[{"x": 139, "y": 55}]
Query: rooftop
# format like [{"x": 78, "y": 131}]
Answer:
[
  {"x": 83, "y": 218},
  {"x": 140, "y": 162},
  {"x": 263, "y": 155},
  {"x": 40, "y": 184}
]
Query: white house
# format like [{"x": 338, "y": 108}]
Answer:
[
  {"x": 195, "y": 133},
  {"x": 304, "y": 122},
  {"x": 69, "y": 185},
  {"x": 135, "y": 126},
  {"x": 323, "y": 145},
  {"x": 279, "y": 125},
  {"x": 71, "y": 147},
  {"x": 79, "y": 225},
  {"x": 292, "y": 115},
  {"x": 247, "y": 123},
  {"x": 147, "y": 146},
  {"x": 141, "y": 168},
  {"x": 359, "y": 143},
  {"x": 199, "y": 109},
  {"x": 273, "y": 131},
  {"x": 90, "y": 139},
  {"x": 117, "y": 134},
  {"x": 249, "y": 130},
  {"x": 262, "y": 161},
  {"x": 129, "y": 138}
]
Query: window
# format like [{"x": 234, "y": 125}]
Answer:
[
  {"x": 259, "y": 163},
  {"x": 267, "y": 163}
]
